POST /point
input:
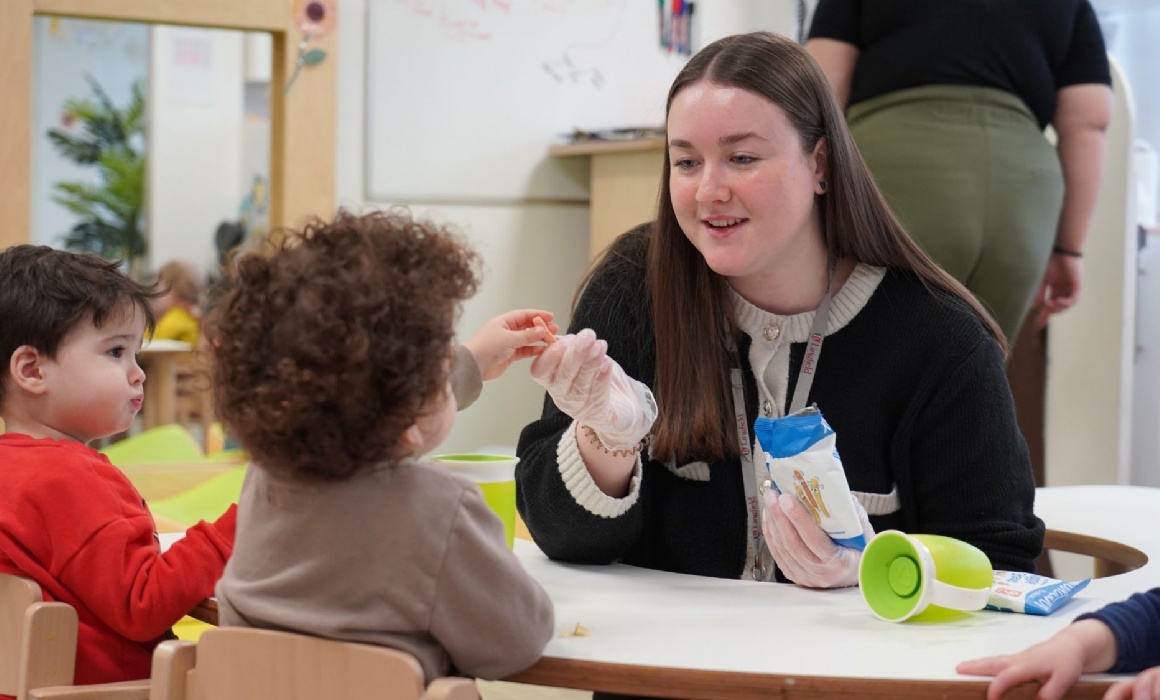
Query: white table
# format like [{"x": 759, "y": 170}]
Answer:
[
  {"x": 671, "y": 635},
  {"x": 655, "y": 633}
]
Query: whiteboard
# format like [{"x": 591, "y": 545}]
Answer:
[{"x": 464, "y": 97}]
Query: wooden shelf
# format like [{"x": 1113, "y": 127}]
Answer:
[{"x": 598, "y": 147}]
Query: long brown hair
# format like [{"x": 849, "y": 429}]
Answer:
[{"x": 690, "y": 301}]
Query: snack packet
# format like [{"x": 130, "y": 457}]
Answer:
[
  {"x": 1016, "y": 591},
  {"x": 802, "y": 459}
]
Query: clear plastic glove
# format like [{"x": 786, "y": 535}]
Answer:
[
  {"x": 590, "y": 386},
  {"x": 803, "y": 551}
]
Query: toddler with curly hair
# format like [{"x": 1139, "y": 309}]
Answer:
[{"x": 334, "y": 364}]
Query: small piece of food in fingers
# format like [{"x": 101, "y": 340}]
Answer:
[{"x": 549, "y": 339}]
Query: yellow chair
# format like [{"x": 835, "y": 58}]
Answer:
[
  {"x": 38, "y": 649},
  {"x": 233, "y": 663}
]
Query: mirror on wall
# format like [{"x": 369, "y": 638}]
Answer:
[{"x": 176, "y": 119}]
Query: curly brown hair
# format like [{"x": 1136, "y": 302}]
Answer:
[{"x": 328, "y": 349}]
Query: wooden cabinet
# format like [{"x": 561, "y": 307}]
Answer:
[{"x": 625, "y": 182}]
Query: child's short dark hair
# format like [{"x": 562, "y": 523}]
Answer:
[
  {"x": 46, "y": 292},
  {"x": 327, "y": 350}
]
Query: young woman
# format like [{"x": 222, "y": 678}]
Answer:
[{"x": 770, "y": 230}]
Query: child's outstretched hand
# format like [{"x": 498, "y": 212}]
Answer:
[
  {"x": 510, "y": 337},
  {"x": 1087, "y": 646}
]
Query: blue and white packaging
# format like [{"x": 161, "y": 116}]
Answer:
[
  {"x": 801, "y": 455},
  {"x": 1016, "y": 591}
]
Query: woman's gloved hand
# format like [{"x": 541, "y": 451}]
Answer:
[
  {"x": 590, "y": 386},
  {"x": 802, "y": 549}
]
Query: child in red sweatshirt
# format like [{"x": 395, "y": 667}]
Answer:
[{"x": 71, "y": 327}]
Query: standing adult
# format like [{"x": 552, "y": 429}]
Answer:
[
  {"x": 948, "y": 102},
  {"x": 769, "y": 231}
]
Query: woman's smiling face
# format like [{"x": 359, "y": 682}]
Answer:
[{"x": 742, "y": 186}]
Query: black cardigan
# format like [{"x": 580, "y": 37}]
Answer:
[{"x": 913, "y": 385}]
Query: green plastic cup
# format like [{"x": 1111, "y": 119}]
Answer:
[
  {"x": 496, "y": 477},
  {"x": 923, "y": 577}
]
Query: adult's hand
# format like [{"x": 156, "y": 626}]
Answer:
[
  {"x": 1060, "y": 288},
  {"x": 802, "y": 549},
  {"x": 592, "y": 388}
]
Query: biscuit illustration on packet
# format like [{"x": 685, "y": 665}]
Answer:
[
  {"x": 816, "y": 489},
  {"x": 801, "y": 449},
  {"x": 803, "y": 496}
]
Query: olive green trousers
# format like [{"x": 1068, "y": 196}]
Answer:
[{"x": 974, "y": 181}]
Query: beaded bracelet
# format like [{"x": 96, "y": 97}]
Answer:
[
  {"x": 1059, "y": 250},
  {"x": 615, "y": 452}
]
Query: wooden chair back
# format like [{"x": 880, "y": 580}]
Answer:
[
  {"x": 38, "y": 639},
  {"x": 38, "y": 643},
  {"x": 232, "y": 663}
]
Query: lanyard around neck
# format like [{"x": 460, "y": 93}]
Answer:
[
  {"x": 805, "y": 378},
  {"x": 801, "y": 393}
]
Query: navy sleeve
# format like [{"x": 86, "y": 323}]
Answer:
[
  {"x": 838, "y": 19},
  {"x": 1135, "y": 623},
  {"x": 1087, "y": 58}
]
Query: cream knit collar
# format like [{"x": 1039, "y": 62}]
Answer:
[{"x": 846, "y": 304}]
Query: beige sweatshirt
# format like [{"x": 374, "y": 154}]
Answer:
[{"x": 406, "y": 556}]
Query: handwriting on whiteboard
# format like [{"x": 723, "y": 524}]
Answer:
[{"x": 481, "y": 21}]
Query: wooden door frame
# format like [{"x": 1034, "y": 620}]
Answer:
[{"x": 302, "y": 124}]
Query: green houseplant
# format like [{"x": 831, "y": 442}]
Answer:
[{"x": 111, "y": 140}]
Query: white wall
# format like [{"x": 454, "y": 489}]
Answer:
[
  {"x": 1145, "y": 469},
  {"x": 1129, "y": 29},
  {"x": 714, "y": 20},
  {"x": 1091, "y": 347},
  {"x": 1130, "y": 35},
  {"x": 195, "y": 126}
]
